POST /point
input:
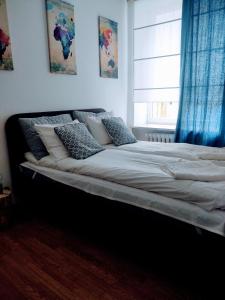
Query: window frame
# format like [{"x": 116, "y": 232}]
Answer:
[{"x": 157, "y": 121}]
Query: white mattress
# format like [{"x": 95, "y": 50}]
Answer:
[{"x": 213, "y": 221}]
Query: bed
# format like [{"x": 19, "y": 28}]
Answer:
[{"x": 35, "y": 177}]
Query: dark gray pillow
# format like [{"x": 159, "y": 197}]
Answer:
[
  {"x": 33, "y": 140},
  {"x": 78, "y": 140},
  {"x": 118, "y": 131},
  {"x": 82, "y": 115}
]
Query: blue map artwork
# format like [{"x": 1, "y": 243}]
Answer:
[
  {"x": 64, "y": 32},
  {"x": 61, "y": 30}
]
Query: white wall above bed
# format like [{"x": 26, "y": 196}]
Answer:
[{"x": 31, "y": 87}]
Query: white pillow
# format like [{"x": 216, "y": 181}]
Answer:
[
  {"x": 98, "y": 130},
  {"x": 51, "y": 141}
]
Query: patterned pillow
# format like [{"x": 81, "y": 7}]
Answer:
[
  {"x": 78, "y": 140},
  {"x": 34, "y": 142},
  {"x": 118, "y": 131},
  {"x": 82, "y": 115}
]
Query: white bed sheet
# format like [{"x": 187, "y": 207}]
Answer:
[{"x": 213, "y": 221}]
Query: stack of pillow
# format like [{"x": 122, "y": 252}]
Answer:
[{"x": 61, "y": 136}]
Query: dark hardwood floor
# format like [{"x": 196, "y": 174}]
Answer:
[{"x": 39, "y": 260}]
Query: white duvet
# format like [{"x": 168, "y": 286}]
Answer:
[
  {"x": 149, "y": 171},
  {"x": 180, "y": 150},
  {"x": 201, "y": 170}
]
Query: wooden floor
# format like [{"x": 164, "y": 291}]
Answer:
[{"x": 43, "y": 261}]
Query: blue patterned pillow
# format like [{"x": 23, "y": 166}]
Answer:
[
  {"x": 33, "y": 140},
  {"x": 118, "y": 131},
  {"x": 78, "y": 140},
  {"x": 82, "y": 115}
]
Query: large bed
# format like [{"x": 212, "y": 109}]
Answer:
[{"x": 130, "y": 175}]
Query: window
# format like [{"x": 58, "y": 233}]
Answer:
[{"x": 156, "y": 61}]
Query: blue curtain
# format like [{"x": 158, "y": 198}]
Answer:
[{"x": 201, "y": 118}]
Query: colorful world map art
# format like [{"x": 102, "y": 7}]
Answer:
[
  {"x": 108, "y": 48},
  {"x": 61, "y": 33},
  {"x": 6, "y": 61}
]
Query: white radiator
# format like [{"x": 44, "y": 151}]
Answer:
[{"x": 160, "y": 137}]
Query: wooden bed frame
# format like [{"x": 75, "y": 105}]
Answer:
[{"x": 35, "y": 192}]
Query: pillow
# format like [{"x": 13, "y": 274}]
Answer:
[
  {"x": 78, "y": 140},
  {"x": 118, "y": 131},
  {"x": 98, "y": 130},
  {"x": 33, "y": 140},
  {"x": 51, "y": 141},
  {"x": 82, "y": 115}
]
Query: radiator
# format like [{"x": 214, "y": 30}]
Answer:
[{"x": 160, "y": 137}]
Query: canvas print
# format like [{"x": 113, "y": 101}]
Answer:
[
  {"x": 61, "y": 34},
  {"x": 6, "y": 61},
  {"x": 108, "y": 48}
]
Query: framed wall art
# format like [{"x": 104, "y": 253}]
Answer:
[
  {"x": 108, "y": 48},
  {"x": 6, "y": 61},
  {"x": 61, "y": 36}
]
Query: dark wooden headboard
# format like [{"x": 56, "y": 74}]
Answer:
[{"x": 16, "y": 142}]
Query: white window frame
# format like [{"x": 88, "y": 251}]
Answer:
[{"x": 163, "y": 122}]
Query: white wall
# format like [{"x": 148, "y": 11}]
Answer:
[{"x": 30, "y": 87}]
